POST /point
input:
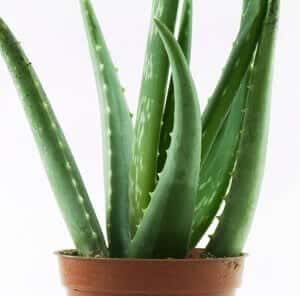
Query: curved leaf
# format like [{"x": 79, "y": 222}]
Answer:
[
  {"x": 185, "y": 42},
  {"x": 149, "y": 115},
  {"x": 233, "y": 229},
  {"x": 117, "y": 134},
  {"x": 219, "y": 105},
  {"x": 166, "y": 226},
  {"x": 216, "y": 173},
  {"x": 60, "y": 165},
  {"x": 216, "y": 169}
]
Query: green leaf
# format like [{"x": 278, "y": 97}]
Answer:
[
  {"x": 185, "y": 42},
  {"x": 166, "y": 226},
  {"x": 215, "y": 175},
  {"x": 149, "y": 115},
  {"x": 216, "y": 169},
  {"x": 245, "y": 5},
  {"x": 233, "y": 229},
  {"x": 235, "y": 69},
  {"x": 61, "y": 168},
  {"x": 117, "y": 136},
  {"x": 244, "y": 9}
]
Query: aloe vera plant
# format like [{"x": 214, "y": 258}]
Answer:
[{"x": 168, "y": 174}]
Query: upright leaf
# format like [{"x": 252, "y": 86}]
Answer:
[
  {"x": 185, "y": 42},
  {"x": 235, "y": 69},
  {"x": 61, "y": 168},
  {"x": 149, "y": 116},
  {"x": 233, "y": 229},
  {"x": 117, "y": 134},
  {"x": 245, "y": 5},
  {"x": 216, "y": 169},
  {"x": 215, "y": 175},
  {"x": 166, "y": 226},
  {"x": 186, "y": 29}
]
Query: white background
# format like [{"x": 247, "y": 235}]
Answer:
[{"x": 53, "y": 37}]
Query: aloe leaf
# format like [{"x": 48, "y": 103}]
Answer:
[
  {"x": 185, "y": 42},
  {"x": 216, "y": 169},
  {"x": 244, "y": 9},
  {"x": 216, "y": 173},
  {"x": 149, "y": 115},
  {"x": 60, "y": 165},
  {"x": 219, "y": 105},
  {"x": 235, "y": 223},
  {"x": 166, "y": 226},
  {"x": 186, "y": 29},
  {"x": 245, "y": 5},
  {"x": 117, "y": 134}
]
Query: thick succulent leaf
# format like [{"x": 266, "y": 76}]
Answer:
[
  {"x": 117, "y": 134},
  {"x": 233, "y": 229},
  {"x": 186, "y": 29},
  {"x": 166, "y": 226},
  {"x": 215, "y": 175},
  {"x": 244, "y": 9},
  {"x": 149, "y": 115},
  {"x": 216, "y": 169},
  {"x": 61, "y": 168},
  {"x": 219, "y": 105},
  {"x": 245, "y": 5},
  {"x": 185, "y": 42}
]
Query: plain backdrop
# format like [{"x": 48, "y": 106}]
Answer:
[{"x": 53, "y": 36}]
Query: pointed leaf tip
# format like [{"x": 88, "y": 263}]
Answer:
[{"x": 155, "y": 238}]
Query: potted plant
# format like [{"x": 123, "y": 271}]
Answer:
[{"x": 168, "y": 178}]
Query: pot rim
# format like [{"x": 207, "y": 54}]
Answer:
[
  {"x": 64, "y": 254},
  {"x": 117, "y": 276}
]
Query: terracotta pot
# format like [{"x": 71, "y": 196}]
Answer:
[{"x": 114, "y": 277}]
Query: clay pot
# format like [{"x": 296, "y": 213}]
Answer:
[{"x": 123, "y": 277}]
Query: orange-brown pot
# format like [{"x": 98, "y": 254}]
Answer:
[{"x": 139, "y": 277}]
